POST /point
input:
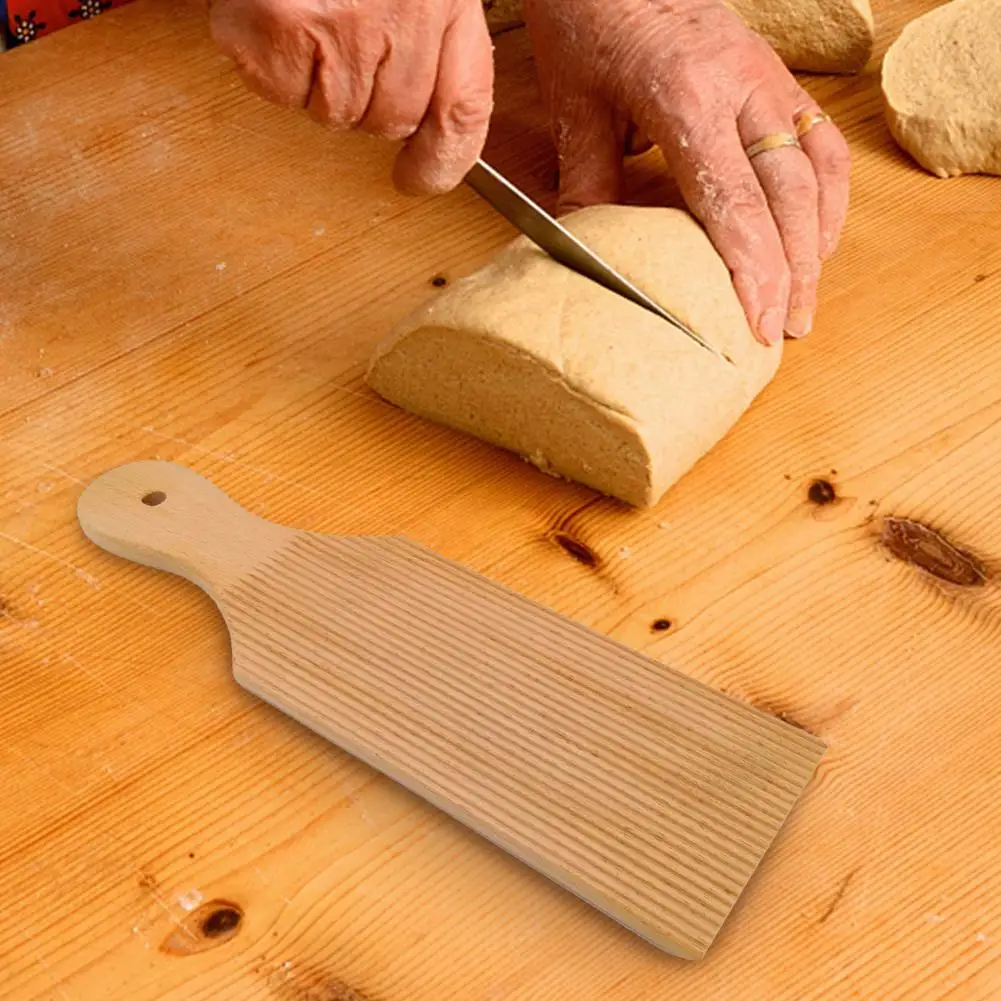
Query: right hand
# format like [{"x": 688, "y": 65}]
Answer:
[
  {"x": 414, "y": 70},
  {"x": 696, "y": 80}
]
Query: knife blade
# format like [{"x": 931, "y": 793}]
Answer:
[{"x": 557, "y": 241}]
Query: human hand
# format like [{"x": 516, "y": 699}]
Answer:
[
  {"x": 413, "y": 70},
  {"x": 694, "y": 79}
]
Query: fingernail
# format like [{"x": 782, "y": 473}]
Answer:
[
  {"x": 799, "y": 323},
  {"x": 770, "y": 325}
]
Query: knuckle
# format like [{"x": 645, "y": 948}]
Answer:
[
  {"x": 248, "y": 33},
  {"x": 800, "y": 99},
  {"x": 743, "y": 197},
  {"x": 467, "y": 114},
  {"x": 692, "y": 145},
  {"x": 279, "y": 13},
  {"x": 340, "y": 100},
  {"x": 737, "y": 211},
  {"x": 681, "y": 91},
  {"x": 701, "y": 125},
  {"x": 835, "y": 158},
  {"x": 686, "y": 81},
  {"x": 790, "y": 178},
  {"x": 797, "y": 181}
]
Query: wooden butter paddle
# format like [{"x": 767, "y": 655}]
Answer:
[{"x": 647, "y": 794}]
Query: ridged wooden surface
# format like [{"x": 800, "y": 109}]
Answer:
[
  {"x": 646, "y": 793},
  {"x": 651, "y": 797},
  {"x": 165, "y": 835}
]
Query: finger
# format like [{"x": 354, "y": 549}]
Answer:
[
  {"x": 724, "y": 194},
  {"x": 272, "y": 52},
  {"x": 790, "y": 185},
  {"x": 451, "y": 136},
  {"x": 828, "y": 151},
  {"x": 343, "y": 77},
  {"x": 589, "y": 144},
  {"x": 404, "y": 84}
]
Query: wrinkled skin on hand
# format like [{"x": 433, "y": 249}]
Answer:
[
  {"x": 693, "y": 78},
  {"x": 413, "y": 70}
]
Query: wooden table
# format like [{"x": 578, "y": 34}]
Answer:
[{"x": 191, "y": 274}]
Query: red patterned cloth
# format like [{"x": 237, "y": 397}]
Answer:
[{"x": 30, "y": 19}]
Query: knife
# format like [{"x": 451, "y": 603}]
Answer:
[{"x": 557, "y": 241}]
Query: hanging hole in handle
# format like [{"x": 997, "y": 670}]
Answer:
[{"x": 154, "y": 498}]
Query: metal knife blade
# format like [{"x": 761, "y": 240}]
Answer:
[{"x": 557, "y": 241}]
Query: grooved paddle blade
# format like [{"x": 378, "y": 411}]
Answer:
[{"x": 647, "y": 794}]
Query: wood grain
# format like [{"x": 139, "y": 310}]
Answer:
[
  {"x": 126, "y": 746},
  {"x": 646, "y": 794}
]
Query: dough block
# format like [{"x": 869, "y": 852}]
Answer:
[
  {"x": 528, "y": 355},
  {"x": 942, "y": 88}
]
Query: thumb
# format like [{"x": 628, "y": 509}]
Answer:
[
  {"x": 441, "y": 152},
  {"x": 589, "y": 143}
]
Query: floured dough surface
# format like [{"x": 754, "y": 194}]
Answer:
[
  {"x": 818, "y": 36},
  {"x": 533, "y": 357},
  {"x": 942, "y": 88}
]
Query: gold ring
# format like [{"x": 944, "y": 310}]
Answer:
[
  {"x": 806, "y": 120},
  {"x": 777, "y": 140}
]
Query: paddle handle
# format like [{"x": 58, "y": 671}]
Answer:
[{"x": 166, "y": 516}]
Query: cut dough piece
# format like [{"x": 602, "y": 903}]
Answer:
[
  {"x": 942, "y": 88},
  {"x": 817, "y": 36},
  {"x": 533, "y": 357}
]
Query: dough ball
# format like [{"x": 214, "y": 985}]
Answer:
[{"x": 942, "y": 88}]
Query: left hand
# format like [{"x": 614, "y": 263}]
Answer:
[{"x": 703, "y": 86}]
